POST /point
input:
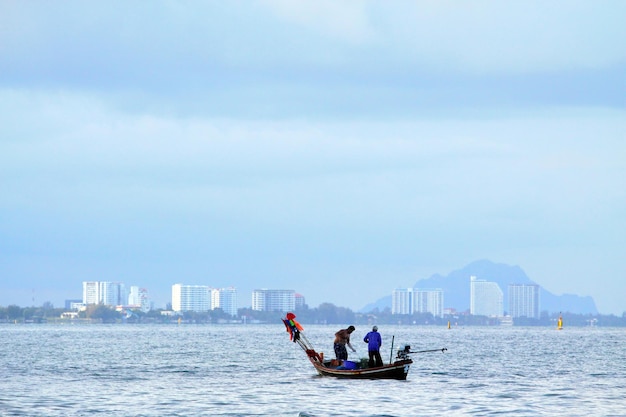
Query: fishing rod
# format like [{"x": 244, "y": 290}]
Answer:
[
  {"x": 430, "y": 350},
  {"x": 404, "y": 353}
]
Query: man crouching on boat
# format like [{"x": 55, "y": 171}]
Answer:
[{"x": 342, "y": 338}]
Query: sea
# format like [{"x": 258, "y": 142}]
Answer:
[{"x": 255, "y": 370}]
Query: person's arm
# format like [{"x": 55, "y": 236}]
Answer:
[{"x": 350, "y": 346}]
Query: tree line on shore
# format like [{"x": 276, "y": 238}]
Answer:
[{"x": 326, "y": 313}]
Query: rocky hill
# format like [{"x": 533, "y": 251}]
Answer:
[{"x": 456, "y": 287}]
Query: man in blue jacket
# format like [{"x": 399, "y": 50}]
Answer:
[{"x": 374, "y": 342}]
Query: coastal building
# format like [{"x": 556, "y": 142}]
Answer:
[
  {"x": 113, "y": 293},
  {"x": 300, "y": 302},
  {"x": 71, "y": 304},
  {"x": 273, "y": 300},
  {"x": 191, "y": 298},
  {"x": 133, "y": 296},
  {"x": 524, "y": 300},
  {"x": 402, "y": 301},
  {"x": 91, "y": 292},
  {"x": 486, "y": 298},
  {"x": 428, "y": 301},
  {"x": 104, "y": 292},
  {"x": 226, "y": 299},
  {"x": 417, "y": 300},
  {"x": 138, "y": 298}
]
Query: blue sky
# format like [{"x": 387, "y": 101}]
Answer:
[{"x": 341, "y": 149}]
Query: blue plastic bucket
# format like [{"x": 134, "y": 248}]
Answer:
[{"x": 349, "y": 365}]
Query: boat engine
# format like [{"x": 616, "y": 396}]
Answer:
[{"x": 403, "y": 354}]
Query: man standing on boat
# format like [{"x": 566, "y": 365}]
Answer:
[
  {"x": 342, "y": 338},
  {"x": 374, "y": 342}
]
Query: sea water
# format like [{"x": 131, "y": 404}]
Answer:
[{"x": 254, "y": 370}]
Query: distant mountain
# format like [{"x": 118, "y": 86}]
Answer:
[
  {"x": 456, "y": 289},
  {"x": 380, "y": 305}
]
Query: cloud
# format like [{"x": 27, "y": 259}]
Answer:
[
  {"x": 518, "y": 37},
  {"x": 349, "y": 22},
  {"x": 75, "y": 145},
  {"x": 353, "y": 136},
  {"x": 485, "y": 37},
  {"x": 216, "y": 48}
]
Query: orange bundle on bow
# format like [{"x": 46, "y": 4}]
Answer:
[{"x": 293, "y": 327}]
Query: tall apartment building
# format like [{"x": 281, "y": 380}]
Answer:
[
  {"x": 417, "y": 300},
  {"x": 104, "y": 292},
  {"x": 300, "y": 303},
  {"x": 428, "y": 301},
  {"x": 402, "y": 301},
  {"x": 226, "y": 299},
  {"x": 133, "y": 296},
  {"x": 191, "y": 298},
  {"x": 524, "y": 300},
  {"x": 273, "y": 300},
  {"x": 113, "y": 293},
  {"x": 144, "y": 300},
  {"x": 138, "y": 298},
  {"x": 91, "y": 292},
  {"x": 486, "y": 298}
]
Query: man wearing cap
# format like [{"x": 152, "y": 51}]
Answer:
[
  {"x": 374, "y": 342},
  {"x": 342, "y": 338}
]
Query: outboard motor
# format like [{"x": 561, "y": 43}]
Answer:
[{"x": 403, "y": 354}]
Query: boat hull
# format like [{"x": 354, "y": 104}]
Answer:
[{"x": 398, "y": 370}]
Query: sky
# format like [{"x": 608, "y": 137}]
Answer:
[{"x": 341, "y": 149}]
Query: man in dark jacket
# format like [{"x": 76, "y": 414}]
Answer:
[{"x": 374, "y": 342}]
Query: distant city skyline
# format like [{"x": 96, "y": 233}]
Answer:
[
  {"x": 340, "y": 148},
  {"x": 484, "y": 298},
  {"x": 186, "y": 297}
]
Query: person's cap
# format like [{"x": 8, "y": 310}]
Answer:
[{"x": 375, "y": 328}]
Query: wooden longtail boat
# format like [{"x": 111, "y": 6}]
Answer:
[{"x": 398, "y": 369}]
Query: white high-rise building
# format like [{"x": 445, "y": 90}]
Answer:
[
  {"x": 138, "y": 298},
  {"x": 226, "y": 299},
  {"x": 191, "y": 298},
  {"x": 428, "y": 301},
  {"x": 524, "y": 300},
  {"x": 417, "y": 300},
  {"x": 273, "y": 300},
  {"x": 133, "y": 296},
  {"x": 91, "y": 292},
  {"x": 402, "y": 301},
  {"x": 300, "y": 303},
  {"x": 486, "y": 298},
  {"x": 104, "y": 292},
  {"x": 144, "y": 300},
  {"x": 113, "y": 293}
]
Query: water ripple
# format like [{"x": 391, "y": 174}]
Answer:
[{"x": 254, "y": 371}]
